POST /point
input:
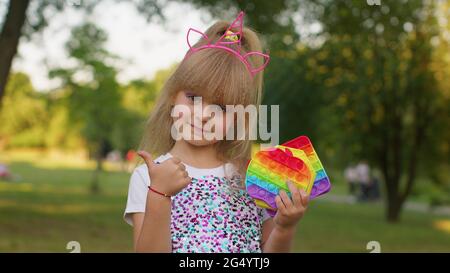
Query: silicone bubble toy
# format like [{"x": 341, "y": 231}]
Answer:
[
  {"x": 322, "y": 183},
  {"x": 295, "y": 160}
]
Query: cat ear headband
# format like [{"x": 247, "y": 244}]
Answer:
[{"x": 230, "y": 37}]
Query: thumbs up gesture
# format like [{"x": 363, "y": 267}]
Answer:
[{"x": 169, "y": 177}]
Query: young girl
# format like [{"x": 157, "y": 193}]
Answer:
[{"x": 191, "y": 198}]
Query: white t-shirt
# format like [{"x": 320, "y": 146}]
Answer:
[
  {"x": 363, "y": 173},
  {"x": 210, "y": 215}
]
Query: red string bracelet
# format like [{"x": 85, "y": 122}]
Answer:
[{"x": 160, "y": 193}]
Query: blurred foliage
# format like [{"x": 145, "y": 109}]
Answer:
[
  {"x": 371, "y": 84},
  {"x": 24, "y": 114},
  {"x": 92, "y": 90}
]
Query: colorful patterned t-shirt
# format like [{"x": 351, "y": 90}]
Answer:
[{"x": 212, "y": 214}]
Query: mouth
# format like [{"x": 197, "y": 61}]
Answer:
[{"x": 199, "y": 129}]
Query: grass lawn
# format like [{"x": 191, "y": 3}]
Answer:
[{"x": 51, "y": 205}]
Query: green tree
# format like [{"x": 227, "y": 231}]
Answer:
[
  {"x": 24, "y": 116},
  {"x": 94, "y": 97},
  {"x": 371, "y": 83},
  {"x": 381, "y": 84}
]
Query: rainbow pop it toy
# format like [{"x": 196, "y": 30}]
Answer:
[
  {"x": 295, "y": 160},
  {"x": 322, "y": 183}
]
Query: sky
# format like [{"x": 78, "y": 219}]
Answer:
[{"x": 143, "y": 47}]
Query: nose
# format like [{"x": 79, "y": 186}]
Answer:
[{"x": 204, "y": 115}]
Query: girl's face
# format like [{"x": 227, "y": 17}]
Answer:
[{"x": 199, "y": 122}]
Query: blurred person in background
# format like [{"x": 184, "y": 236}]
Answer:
[
  {"x": 363, "y": 177},
  {"x": 351, "y": 176}
]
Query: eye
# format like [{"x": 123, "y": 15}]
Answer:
[{"x": 191, "y": 96}]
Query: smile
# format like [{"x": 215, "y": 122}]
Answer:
[{"x": 198, "y": 129}]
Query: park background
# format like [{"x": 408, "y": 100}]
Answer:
[{"x": 365, "y": 80}]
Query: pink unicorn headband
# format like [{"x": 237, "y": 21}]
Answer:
[{"x": 230, "y": 37}]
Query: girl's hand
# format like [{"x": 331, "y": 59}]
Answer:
[
  {"x": 290, "y": 211},
  {"x": 169, "y": 177}
]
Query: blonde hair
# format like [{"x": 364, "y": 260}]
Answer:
[{"x": 220, "y": 78}]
